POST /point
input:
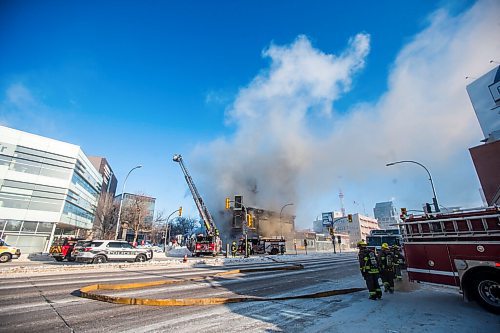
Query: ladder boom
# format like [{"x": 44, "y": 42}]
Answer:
[{"x": 202, "y": 209}]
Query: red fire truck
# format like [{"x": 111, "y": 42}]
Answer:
[{"x": 460, "y": 248}]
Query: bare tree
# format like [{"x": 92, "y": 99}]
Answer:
[
  {"x": 106, "y": 217},
  {"x": 158, "y": 227},
  {"x": 137, "y": 213}
]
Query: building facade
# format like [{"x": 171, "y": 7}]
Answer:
[
  {"x": 358, "y": 229},
  {"x": 484, "y": 94},
  {"x": 386, "y": 215},
  {"x": 133, "y": 206},
  {"x": 47, "y": 188},
  {"x": 105, "y": 205}
]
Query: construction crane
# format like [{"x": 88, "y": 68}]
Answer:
[{"x": 209, "y": 243}]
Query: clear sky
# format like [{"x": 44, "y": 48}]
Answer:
[{"x": 281, "y": 101}]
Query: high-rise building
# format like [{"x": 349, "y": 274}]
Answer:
[
  {"x": 386, "y": 215},
  {"x": 109, "y": 180},
  {"x": 47, "y": 188},
  {"x": 484, "y": 94},
  {"x": 105, "y": 205}
]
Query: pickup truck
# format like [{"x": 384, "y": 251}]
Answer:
[{"x": 7, "y": 252}]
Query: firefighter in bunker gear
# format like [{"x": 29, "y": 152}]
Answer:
[
  {"x": 369, "y": 269},
  {"x": 399, "y": 261},
  {"x": 234, "y": 249},
  {"x": 249, "y": 248},
  {"x": 386, "y": 260}
]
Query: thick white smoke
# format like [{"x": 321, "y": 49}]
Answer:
[{"x": 276, "y": 155}]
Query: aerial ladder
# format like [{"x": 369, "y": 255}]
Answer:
[{"x": 204, "y": 244}]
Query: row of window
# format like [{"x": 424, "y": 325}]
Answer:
[
  {"x": 35, "y": 168},
  {"x": 26, "y": 226},
  {"x": 70, "y": 208}
]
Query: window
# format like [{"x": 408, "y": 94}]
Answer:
[
  {"x": 29, "y": 226},
  {"x": 115, "y": 245},
  {"x": 45, "y": 227},
  {"x": 95, "y": 244},
  {"x": 13, "y": 225}
]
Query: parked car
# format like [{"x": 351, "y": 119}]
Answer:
[
  {"x": 7, "y": 252},
  {"x": 101, "y": 251}
]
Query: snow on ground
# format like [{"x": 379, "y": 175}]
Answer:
[{"x": 429, "y": 308}]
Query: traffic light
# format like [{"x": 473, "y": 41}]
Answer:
[
  {"x": 228, "y": 203},
  {"x": 332, "y": 231},
  {"x": 428, "y": 208},
  {"x": 349, "y": 218},
  {"x": 180, "y": 211},
  {"x": 250, "y": 220},
  {"x": 237, "y": 202}
]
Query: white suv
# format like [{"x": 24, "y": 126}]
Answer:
[{"x": 101, "y": 251}]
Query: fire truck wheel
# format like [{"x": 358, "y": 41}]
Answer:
[
  {"x": 486, "y": 290},
  {"x": 58, "y": 258},
  {"x": 99, "y": 259},
  {"x": 5, "y": 257},
  {"x": 141, "y": 258}
]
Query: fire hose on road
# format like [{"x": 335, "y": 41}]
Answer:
[{"x": 89, "y": 291}]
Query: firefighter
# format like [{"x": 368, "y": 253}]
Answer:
[
  {"x": 399, "y": 261},
  {"x": 368, "y": 265},
  {"x": 249, "y": 248},
  {"x": 386, "y": 260},
  {"x": 234, "y": 249}
]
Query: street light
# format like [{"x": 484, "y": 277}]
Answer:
[
  {"x": 281, "y": 224},
  {"x": 434, "y": 199},
  {"x": 167, "y": 228},
  {"x": 118, "y": 225}
]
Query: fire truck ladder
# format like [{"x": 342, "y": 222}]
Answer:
[
  {"x": 461, "y": 224},
  {"x": 202, "y": 209}
]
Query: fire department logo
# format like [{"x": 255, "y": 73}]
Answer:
[{"x": 480, "y": 248}]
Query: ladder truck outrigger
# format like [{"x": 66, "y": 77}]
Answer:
[{"x": 209, "y": 244}]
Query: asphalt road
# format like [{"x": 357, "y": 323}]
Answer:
[{"x": 42, "y": 302}]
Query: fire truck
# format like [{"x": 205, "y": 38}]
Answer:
[
  {"x": 209, "y": 243},
  {"x": 460, "y": 248},
  {"x": 62, "y": 248}
]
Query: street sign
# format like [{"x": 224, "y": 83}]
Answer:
[{"x": 327, "y": 218}]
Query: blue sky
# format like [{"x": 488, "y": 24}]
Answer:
[{"x": 137, "y": 81}]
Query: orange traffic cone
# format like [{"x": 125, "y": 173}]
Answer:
[{"x": 185, "y": 258}]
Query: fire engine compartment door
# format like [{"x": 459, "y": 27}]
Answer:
[{"x": 430, "y": 263}]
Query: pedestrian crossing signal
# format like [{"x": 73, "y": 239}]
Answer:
[
  {"x": 349, "y": 218},
  {"x": 180, "y": 211},
  {"x": 332, "y": 231},
  {"x": 228, "y": 203}
]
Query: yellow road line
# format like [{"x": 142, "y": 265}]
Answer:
[{"x": 88, "y": 291}]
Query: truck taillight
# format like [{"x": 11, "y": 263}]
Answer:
[
  {"x": 212, "y": 246},
  {"x": 497, "y": 264},
  {"x": 198, "y": 246}
]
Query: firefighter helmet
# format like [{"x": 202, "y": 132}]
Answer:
[
  {"x": 362, "y": 243},
  {"x": 385, "y": 246}
]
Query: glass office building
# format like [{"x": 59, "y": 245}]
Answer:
[{"x": 47, "y": 188}]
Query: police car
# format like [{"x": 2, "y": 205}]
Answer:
[{"x": 101, "y": 251}]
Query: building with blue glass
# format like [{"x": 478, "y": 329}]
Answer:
[{"x": 48, "y": 188}]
